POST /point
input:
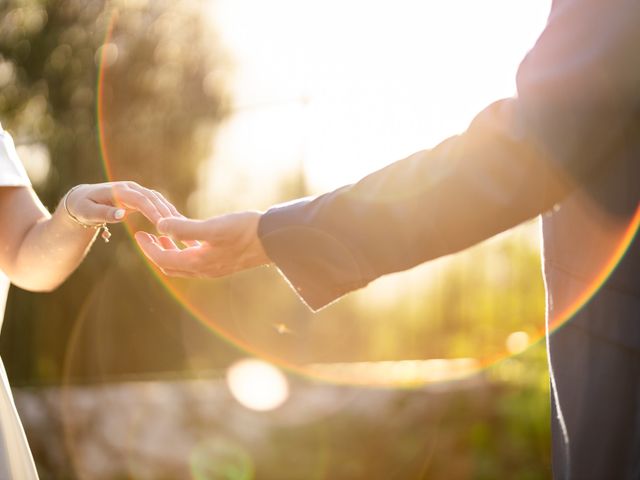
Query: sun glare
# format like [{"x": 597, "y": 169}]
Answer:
[
  {"x": 342, "y": 88},
  {"x": 257, "y": 385}
]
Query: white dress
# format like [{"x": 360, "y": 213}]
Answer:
[{"x": 16, "y": 462}]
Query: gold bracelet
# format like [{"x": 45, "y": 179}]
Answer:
[{"x": 106, "y": 234}]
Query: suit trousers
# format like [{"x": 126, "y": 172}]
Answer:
[{"x": 596, "y": 394}]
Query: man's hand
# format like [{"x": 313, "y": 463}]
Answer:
[{"x": 216, "y": 247}]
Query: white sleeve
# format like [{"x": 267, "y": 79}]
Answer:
[{"x": 12, "y": 172}]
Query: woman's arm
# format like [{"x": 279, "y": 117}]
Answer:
[{"x": 38, "y": 250}]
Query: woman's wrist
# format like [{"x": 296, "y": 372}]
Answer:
[{"x": 72, "y": 217}]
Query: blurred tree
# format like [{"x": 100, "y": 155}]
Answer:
[{"x": 158, "y": 77}]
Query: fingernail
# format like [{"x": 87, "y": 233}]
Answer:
[{"x": 119, "y": 214}]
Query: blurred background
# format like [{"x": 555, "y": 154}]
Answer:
[{"x": 434, "y": 373}]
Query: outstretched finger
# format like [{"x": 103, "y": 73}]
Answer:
[
  {"x": 174, "y": 212},
  {"x": 184, "y": 228}
]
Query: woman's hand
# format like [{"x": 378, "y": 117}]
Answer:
[
  {"x": 96, "y": 204},
  {"x": 40, "y": 250}
]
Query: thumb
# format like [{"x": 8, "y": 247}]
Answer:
[{"x": 183, "y": 228}]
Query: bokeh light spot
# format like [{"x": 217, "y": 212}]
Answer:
[
  {"x": 36, "y": 160},
  {"x": 7, "y": 72},
  {"x": 107, "y": 55},
  {"x": 257, "y": 385},
  {"x": 517, "y": 342}
]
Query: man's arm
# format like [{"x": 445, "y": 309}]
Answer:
[{"x": 578, "y": 97}]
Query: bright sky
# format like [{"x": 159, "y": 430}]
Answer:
[{"x": 343, "y": 87}]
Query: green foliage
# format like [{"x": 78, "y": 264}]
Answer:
[{"x": 162, "y": 96}]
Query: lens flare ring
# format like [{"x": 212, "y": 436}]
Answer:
[{"x": 106, "y": 59}]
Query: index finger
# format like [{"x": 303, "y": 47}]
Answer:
[{"x": 141, "y": 202}]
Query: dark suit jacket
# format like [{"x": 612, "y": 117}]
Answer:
[{"x": 569, "y": 139}]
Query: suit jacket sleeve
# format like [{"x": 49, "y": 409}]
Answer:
[{"x": 577, "y": 101}]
